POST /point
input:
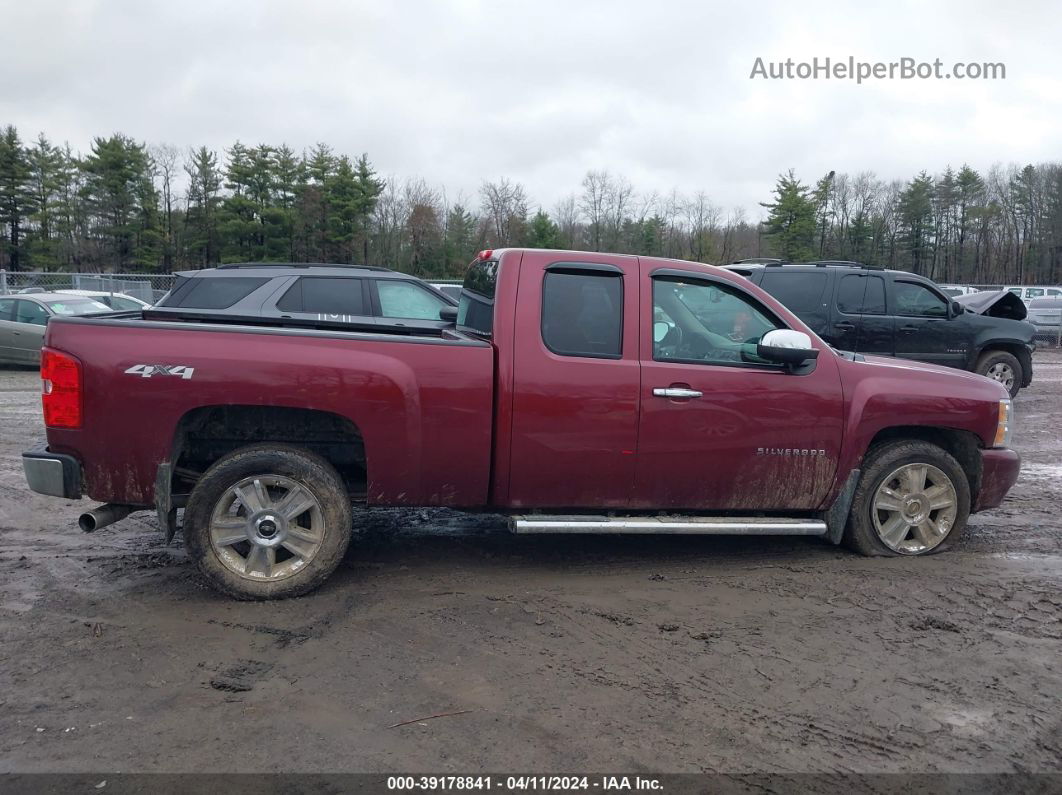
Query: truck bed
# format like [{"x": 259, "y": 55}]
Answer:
[{"x": 419, "y": 406}]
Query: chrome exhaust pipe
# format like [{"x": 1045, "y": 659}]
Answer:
[{"x": 103, "y": 515}]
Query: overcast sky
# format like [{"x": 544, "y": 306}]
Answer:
[{"x": 541, "y": 91}]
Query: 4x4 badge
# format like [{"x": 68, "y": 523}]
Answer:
[{"x": 148, "y": 370}]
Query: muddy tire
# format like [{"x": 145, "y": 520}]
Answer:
[
  {"x": 268, "y": 522},
  {"x": 1003, "y": 367},
  {"x": 913, "y": 498}
]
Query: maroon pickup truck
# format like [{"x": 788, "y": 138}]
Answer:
[{"x": 574, "y": 392}]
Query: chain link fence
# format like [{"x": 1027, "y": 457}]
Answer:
[{"x": 147, "y": 287}]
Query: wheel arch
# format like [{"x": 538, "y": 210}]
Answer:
[
  {"x": 1015, "y": 349},
  {"x": 206, "y": 433},
  {"x": 963, "y": 446}
]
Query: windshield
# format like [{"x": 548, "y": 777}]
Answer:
[{"x": 76, "y": 306}]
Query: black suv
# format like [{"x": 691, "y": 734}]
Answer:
[
  {"x": 360, "y": 297},
  {"x": 869, "y": 310}
]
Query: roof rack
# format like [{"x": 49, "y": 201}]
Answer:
[
  {"x": 826, "y": 263},
  {"x": 844, "y": 263},
  {"x": 237, "y": 265}
]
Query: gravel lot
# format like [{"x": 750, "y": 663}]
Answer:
[{"x": 564, "y": 654}]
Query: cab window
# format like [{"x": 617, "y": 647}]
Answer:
[{"x": 707, "y": 323}]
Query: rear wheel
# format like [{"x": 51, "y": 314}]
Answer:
[
  {"x": 913, "y": 498},
  {"x": 268, "y": 522},
  {"x": 1003, "y": 367}
]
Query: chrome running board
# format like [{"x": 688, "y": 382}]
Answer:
[{"x": 688, "y": 525}]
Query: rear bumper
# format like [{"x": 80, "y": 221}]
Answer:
[
  {"x": 54, "y": 474},
  {"x": 999, "y": 471}
]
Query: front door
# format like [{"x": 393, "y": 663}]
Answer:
[
  {"x": 729, "y": 433},
  {"x": 923, "y": 325},
  {"x": 575, "y": 381}
]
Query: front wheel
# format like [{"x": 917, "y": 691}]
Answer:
[
  {"x": 1003, "y": 367},
  {"x": 268, "y": 522},
  {"x": 913, "y": 498}
]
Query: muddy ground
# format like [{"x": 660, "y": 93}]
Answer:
[{"x": 562, "y": 654}]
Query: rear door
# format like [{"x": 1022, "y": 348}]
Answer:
[
  {"x": 923, "y": 325},
  {"x": 576, "y": 381},
  {"x": 860, "y": 320},
  {"x": 805, "y": 293},
  {"x": 749, "y": 436}
]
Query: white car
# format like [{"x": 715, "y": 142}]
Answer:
[
  {"x": 120, "y": 302},
  {"x": 1027, "y": 294}
]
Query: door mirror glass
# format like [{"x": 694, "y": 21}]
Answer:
[
  {"x": 956, "y": 309},
  {"x": 786, "y": 346},
  {"x": 660, "y": 330}
]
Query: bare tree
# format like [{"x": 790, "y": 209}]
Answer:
[{"x": 504, "y": 205}]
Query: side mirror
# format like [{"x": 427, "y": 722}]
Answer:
[
  {"x": 786, "y": 346},
  {"x": 957, "y": 309},
  {"x": 660, "y": 330},
  {"x": 448, "y": 313}
]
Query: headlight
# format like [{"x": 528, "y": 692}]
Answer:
[{"x": 1005, "y": 424}]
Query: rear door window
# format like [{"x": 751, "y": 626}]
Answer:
[
  {"x": 325, "y": 297},
  {"x": 801, "y": 293},
  {"x": 850, "y": 294},
  {"x": 874, "y": 297},
  {"x": 582, "y": 314},
  {"x": 858, "y": 294},
  {"x": 7, "y": 308}
]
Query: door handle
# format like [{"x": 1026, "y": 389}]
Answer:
[
  {"x": 677, "y": 392},
  {"x": 908, "y": 329},
  {"x": 844, "y": 325}
]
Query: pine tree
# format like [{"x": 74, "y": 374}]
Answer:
[
  {"x": 16, "y": 197},
  {"x": 45, "y": 167},
  {"x": 459, "y": 240},
  {"x": 122, "y": 201},
  {"x": 791, "y": 222},
  {"x": 542, "y": 233},
  {"x": 204, "y": 187},
  {"x": 970, "y": 189},
  {"x": 369, "y": 190},
  {"x": 916, "y": 222}
]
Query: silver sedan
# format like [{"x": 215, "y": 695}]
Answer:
[{"x": 23, "y": 319}]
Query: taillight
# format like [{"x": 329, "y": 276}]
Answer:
[{"x": 61, "y": 388}]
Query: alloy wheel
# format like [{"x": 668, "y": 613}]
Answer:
[
  {"x": 914, "y": 509},
  {"x": 267, "y": 527}
]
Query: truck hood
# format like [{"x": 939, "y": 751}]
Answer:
[
  {"x": 1000, "y": 303},
  {"x": 922, "y": 367}
]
